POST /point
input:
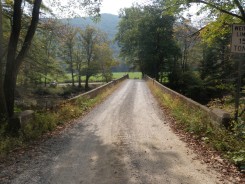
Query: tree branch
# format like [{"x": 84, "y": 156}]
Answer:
[
  {"x": 30, "y": 32},
  {"x": 218, "y": 8},
  {"x": 3, "y": 108},
  {"x": 15, "y": 32},
  {"x": 240, "y": 8},
  {"x": 1, "y": 34}
]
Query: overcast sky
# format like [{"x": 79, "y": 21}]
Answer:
[
  {"x": 113, "y": 6},
  {"x": 108, "y": 6}
]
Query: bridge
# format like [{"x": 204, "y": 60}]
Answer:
[{"x": 126, "y": 139}]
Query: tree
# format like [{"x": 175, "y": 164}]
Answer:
[
  {"x": 47, "y": 65},
  {"x": 15, "y": 58},
  {"x": 103, "y": 54},
  {"x": 234, "y": 8},
  {"x": 146, "y": 38},
  {"x": 69, "y": 40},
  {"x": 48, "y": 35},
  {"x": 186, "y": 40},
  {"x": 216, "y": 70},
  {"x": 3, "y": 107},
  {"x": 17, "y": 50},
  {"x": 91, "y": 37},
  {"x": 80, "y": 57}
]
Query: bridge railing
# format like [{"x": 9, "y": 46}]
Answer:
[
  {"x": 218, "y": 116},
  {"x": 93, "y": 93}
]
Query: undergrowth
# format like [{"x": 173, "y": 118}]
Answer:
[
  {"x": 196, "y": 122},
  {"x": 47, "y": 121}
]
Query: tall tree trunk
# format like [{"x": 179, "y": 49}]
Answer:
[
  {"x": 79, "y": 76},
  {"x": 79, "y": 81},
  {"x": 71, "y": 65},
  {"x": 3, "y": 108},
  {"x": 45, "y": 81},
  {"x": 86, "y": 83},
  {"x": 72, "y": 76},
  {"x": 13, "y": 60},
  {"x": 10, "y": 74}
]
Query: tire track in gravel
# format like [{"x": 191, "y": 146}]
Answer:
[{"x": 124, "y": 140}]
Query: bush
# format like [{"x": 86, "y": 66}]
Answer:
[
  {"x": 188, "y": 83},
  {"x": 69, "y": 90},
  {"x": 40, "y": 124},
  {"x": 191, "y": 85},
  {"x": 42, "y": 91},
  {"x": 9, "y": 143},
  {"x": 68, "y": 112}
]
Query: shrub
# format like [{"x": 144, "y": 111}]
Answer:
[
  {"x": 68, "y": 112},
  {"x": 40, "y": 124}
]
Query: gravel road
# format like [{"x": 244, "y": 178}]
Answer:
[{"x": 125, "y": 140}]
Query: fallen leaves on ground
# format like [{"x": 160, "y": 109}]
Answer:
[{"x": 229, "y": 172}]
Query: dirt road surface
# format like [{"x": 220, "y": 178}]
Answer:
[{"x": 125, "y": 140}]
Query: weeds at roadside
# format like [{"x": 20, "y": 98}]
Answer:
[{"x": 197, "y": 123}]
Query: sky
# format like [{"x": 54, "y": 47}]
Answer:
[
  {"x": 113, "y": 6},
  {"x": 109, "y": 6}
]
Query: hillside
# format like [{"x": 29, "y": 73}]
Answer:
[{"x": 108, "y": 23}]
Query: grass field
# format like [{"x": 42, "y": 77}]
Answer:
[
  {"x": 98, "y": 78},
  {"x": 132, "y": 75}
]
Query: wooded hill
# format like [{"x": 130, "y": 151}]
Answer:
[{"x": 107, "y": 23}]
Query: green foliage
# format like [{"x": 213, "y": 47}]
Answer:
[
  {"x": 104, "y": 56},
  {"x": 239, "y": 129},
  {"x": 216, "y": 65},
  {"x": 145, "y": 37},
  {"x": 50, "y": 91},
  {"x": 40, "y": 124},
  {"x": 189, "y": 84},
  {"x": 213, "y": 8},
  {"x": 68, "y": 112},
  {"x": 9, "y": 143},
  {"x": 69, "y": 90}
]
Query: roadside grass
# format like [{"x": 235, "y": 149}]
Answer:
[
  {"x": 48, "y": 121},
  {"x": 197, "y": 123}
]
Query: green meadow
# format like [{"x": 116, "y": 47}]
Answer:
[
  {"x": 132, "y": 75},
  {"x": 98, "y": 78}
]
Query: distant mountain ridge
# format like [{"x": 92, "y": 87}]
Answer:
[{"x": 108, "y": 23}]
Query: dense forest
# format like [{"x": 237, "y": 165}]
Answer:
[{"x": 37, "y": 50}]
